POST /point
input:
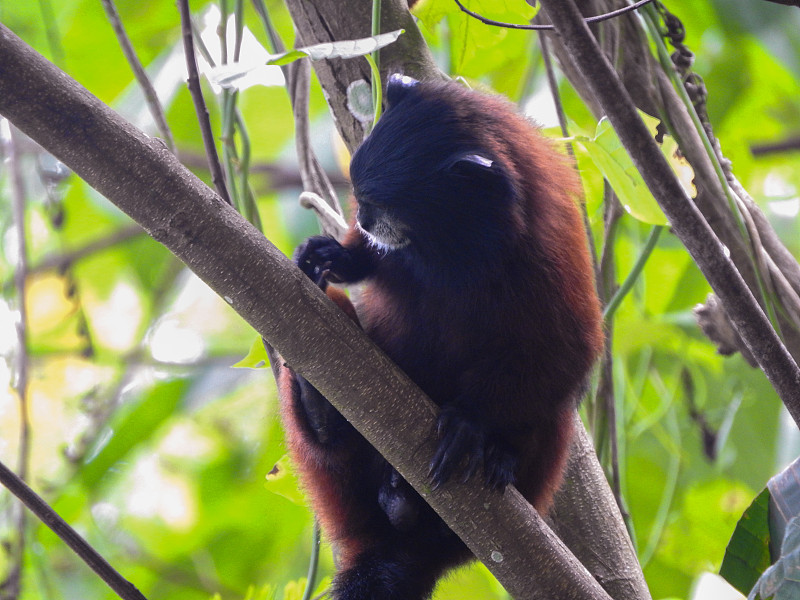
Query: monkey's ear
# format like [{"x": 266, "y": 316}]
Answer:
[
  {"x": 474, "y": 164},
  {"x": 480, "y": 169},
  {"x": 398, "y": 87}
]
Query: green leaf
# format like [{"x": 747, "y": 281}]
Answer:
[
  {"x": 747, "y": 555},
  {"x": 281, "y": 480},
  {"x": 256, "y": 358},
  {"x": 132, "y": 428},
  {"x": 610, "y": 156}
]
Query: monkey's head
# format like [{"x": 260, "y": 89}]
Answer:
[{"x": 430, "y": 177}]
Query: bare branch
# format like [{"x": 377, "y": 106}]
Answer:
[
  {"x": 595, "y": 19},
  {"x": 687, "y": 222},
  {"x": 787, "y": 145},
  {"x": 199, "y": 104},
  {"x": 124, "y": 588}
]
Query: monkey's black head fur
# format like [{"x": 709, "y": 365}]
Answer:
[{"x": 424, "y": 179}]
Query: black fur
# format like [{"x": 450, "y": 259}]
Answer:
[{"x": 478, "y": 284}]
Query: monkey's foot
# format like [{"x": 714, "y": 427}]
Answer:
[{"x": 465, "y": 446}]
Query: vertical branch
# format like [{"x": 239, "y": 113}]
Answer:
[
  {"x": 311, "y": 172},
  {"x": 199, "y": 103},
  {"x": 237, "y": 45},
  {"x": 606, "y": 405},
  {"x": 139, "y": 73},
  {"x": 687, "y": 222},
  {"x": 13, "y": 582},
  {"x": 298, "y": 81}
]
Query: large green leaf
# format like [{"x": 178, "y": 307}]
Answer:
[
  {"x": 747, "y": 555},
  {"x": 609, "y": 155},
  {"x": 132, "y": 428}
]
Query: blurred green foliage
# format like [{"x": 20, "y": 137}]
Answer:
[{"x": 150, "y": 444}]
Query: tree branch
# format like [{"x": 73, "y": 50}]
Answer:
[
  {"x": 199, "y": 103},
  {"x": 686, "y": 220},
  {"x": 150, "y": 96},
  {"x": 124, "y": 588},
  {"x": 147, "y": 182},
  {"x": 624, "y": 43}
]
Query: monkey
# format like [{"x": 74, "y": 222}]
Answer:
[{"x": 478, "y": 283}]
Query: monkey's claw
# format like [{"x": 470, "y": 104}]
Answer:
[{"x": 464, "y": 447}]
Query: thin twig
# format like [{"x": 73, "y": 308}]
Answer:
[
  {"x": 313, "y": 564},
  {"x": 237, "y": 45},
  {"x": 298, "y": 77},
  {"x": 627, "y": 285},
  {"x": 65, "y": 259},
  {"x": 277, "y": 175},
  {"x": 606, "y": 394},
  {"x": 150, "y": 95},
  {"x": 595, "y": 19},
  {"x": 53, "y": 35},
  {"x": 313, "y": 175},
  {"x": 199, "y": 102},
  {"x": 787, "y": 145},
  {"x": 124, "y": 588},
  {"x": 276, "y": 45}
]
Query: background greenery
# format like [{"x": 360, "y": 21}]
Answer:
[{"x": 146, "y": 439}]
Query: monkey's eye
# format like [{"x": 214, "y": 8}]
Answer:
[{"x": 369, "y": 199}]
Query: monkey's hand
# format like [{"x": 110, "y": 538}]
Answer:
[
  {"x": 464, "y": 446},
  {"x": 325, "y": 260},
  {"x": 319, "y": 256}
]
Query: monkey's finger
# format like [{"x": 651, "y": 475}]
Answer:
[
  {"x": 476, "y": 459},
  {"x": 456, "y": 444}
]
